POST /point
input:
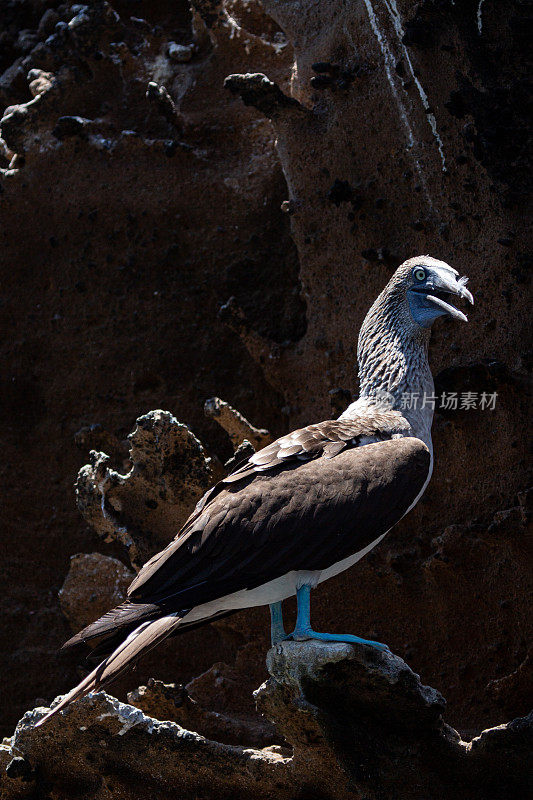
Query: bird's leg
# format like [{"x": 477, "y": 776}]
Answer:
[
  {"x": 303, "y": 629},
  {"x": 277, "y": 631}
]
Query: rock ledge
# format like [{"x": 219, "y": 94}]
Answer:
[{"x": 359, "y": 722}]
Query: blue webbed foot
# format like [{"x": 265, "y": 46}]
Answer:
[
  {"x": 303, "y": 629},
  {"x": 303, "y": 635}
]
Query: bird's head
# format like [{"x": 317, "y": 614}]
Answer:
[
  {"x": 430, "y": 286},
  {"x": 394, "y": 336}
]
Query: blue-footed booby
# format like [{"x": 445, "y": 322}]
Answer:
[{"x": 306, "y": 507}]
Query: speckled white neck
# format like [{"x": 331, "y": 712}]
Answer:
[{"x": 393, "y": 364}]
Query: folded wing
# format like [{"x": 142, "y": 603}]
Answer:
[{"x": 300, "y": 515}]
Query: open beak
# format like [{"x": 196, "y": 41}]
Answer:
[{"x": 444, "y": 289}]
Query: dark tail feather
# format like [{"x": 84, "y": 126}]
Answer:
[
  {"x": 140, "y": 641},
  {"x": 120, "y": 620},
  {"x": 113, "y": 639},
  {"x": 110, "y": 630}
]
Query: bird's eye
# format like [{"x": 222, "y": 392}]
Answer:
[{"x": 420, "y": 274}]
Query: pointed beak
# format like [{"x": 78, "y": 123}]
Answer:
[{"x": 443, "y": 287}]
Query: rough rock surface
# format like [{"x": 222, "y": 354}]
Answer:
[
  {"x": 357, "y": 723},
  {"x": 238, "y": 428},
  {"x": 147, "y": 262},
  {"x": 94, "y": 584},
  {"x": 170, "y": 701},
  {"x": 360, "y": 721},
  {"x": 107, "y": 749},
  {"x": 145, "y": 508}
]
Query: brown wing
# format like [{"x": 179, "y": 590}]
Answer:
[
  {"x": 324, "y": 439},
  {"x": 303, "y": 516}
]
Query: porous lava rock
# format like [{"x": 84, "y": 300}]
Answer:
[
  {"x": 94, "y": 584},
  {"x": 170, "y": 701},
  {"x": 358, "y": 724},
  {"x": 360, "y": 720},
  {"x": 145, "y": 508},
  {"x": 108, "y": 749}
]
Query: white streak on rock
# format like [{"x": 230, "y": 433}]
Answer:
[
  {"x": 238, "y": 32},
  {"x": 388, "y": 59},
  {"x": 389, "y": 63},
  {"x": 396, "y": 20},
  {"x": 479, "y": 17}
]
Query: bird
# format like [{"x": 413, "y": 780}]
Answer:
[{"x": 304, "y": 508}]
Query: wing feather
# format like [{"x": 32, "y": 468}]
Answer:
[
  {"x": 298, "y": 447},
  {"x": 361, "y": 492}
]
